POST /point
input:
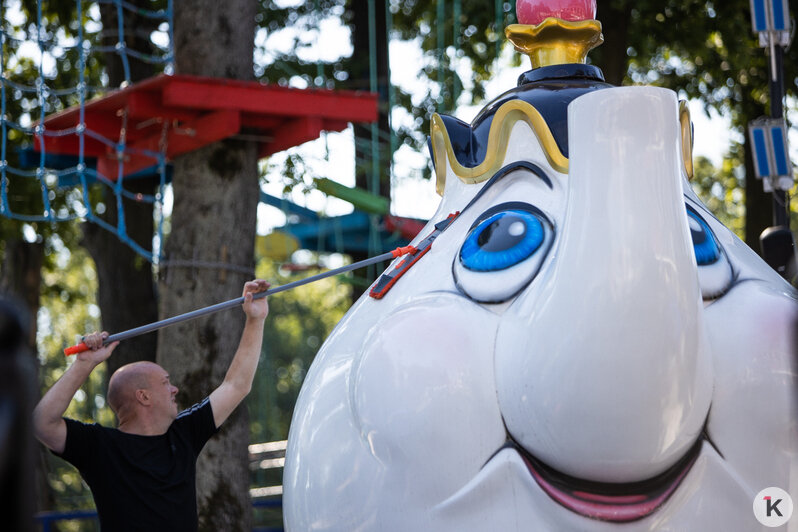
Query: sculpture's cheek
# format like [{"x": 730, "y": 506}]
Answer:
[
  {"x": 753, "y": 332},
  {"x": 424, "y": 398}
]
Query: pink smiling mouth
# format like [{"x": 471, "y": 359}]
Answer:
[{"x": 611, "y": 502}]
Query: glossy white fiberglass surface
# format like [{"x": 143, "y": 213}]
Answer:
[
  {"x": 604, "y": 366},
  {"x": 621, "y": 300}
]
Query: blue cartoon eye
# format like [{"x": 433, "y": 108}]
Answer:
[
  {"x": 706, "y": 247},
  {"x": 715, "y": 274},
  {"x": 502, "y": 240},
  {"x": 503, "y": 252}
]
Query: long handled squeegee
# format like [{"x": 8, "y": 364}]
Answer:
[{"x": 398, "y": 252}]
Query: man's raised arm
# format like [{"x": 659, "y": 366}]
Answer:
[
  {"x": 48, "y": 421},
  {"x": 238, "y": 380}
]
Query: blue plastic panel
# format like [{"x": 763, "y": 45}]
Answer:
[
  {"x": 759, "y": 16},
  {"x": 761, "y": 159},
  {"x": 780, "y": 155}
]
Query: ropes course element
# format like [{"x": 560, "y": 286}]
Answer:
[
  {"x": 61, "y": 163},
  {"x": 398, "y": 252},
  {"x": 133, "y": 132},
  {"x": 32, "y": 150}
]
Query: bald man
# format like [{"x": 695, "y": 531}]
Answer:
[{"x": 142, "y": 473}]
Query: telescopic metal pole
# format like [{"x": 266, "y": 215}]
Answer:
[{"x": 79, "y": 348}]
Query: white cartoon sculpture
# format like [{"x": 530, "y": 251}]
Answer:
[{"x": 582, "y": 347}]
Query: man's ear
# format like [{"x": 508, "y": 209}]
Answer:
[{"x": 143, "y": 396}]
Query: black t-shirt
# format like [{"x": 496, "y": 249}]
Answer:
[{"x": 142, "y": 483}]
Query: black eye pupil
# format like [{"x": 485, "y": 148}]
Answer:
[
  {"x": 698, "y": 237},
  {"x": 502, "y": 234}
]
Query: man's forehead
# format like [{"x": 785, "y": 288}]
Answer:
[
  {"x": 158, "y": 371},
  {"x": 151, "y": 369}
]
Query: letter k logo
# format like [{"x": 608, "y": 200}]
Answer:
[{"x": 772, "y": 506}]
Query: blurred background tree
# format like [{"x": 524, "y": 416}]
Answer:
[{"x": 707, "y": 51}]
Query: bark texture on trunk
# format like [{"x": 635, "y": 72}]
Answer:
[
  {"x": 360, "y": 72},
  {"x": 125, "y": 285},
  {"x": 213, "y": 221},
  {"x": 213, "y": 224}
]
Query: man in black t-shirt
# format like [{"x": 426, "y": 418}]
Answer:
[{"x": 142, "y": 473}]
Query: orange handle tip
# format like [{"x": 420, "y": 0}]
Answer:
[
  {"x": 75, "y": 349},
  {"x": 398, "y": 252}
]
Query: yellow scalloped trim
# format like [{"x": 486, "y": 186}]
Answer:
[
  {"x": 555, "y": 41},
  {"x": 687, "y": 138},
  {"x": 501, "y": 126}
]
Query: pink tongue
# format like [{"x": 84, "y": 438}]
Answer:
[
  {"x": 616, "y": 508},
  {"x": 610, "y": 499}
]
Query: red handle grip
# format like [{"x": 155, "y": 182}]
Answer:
[
  {"x": 75, "y": 349},
  {"x": 398, "y": 252}
]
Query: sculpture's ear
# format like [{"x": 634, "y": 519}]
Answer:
[
  {"x": 465, "y": 158},
  {"x": 449, "y": 144},
  {"x": 686, "y": 128},
  {"x": 454, "y": 192}
]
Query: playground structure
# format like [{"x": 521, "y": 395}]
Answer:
[
  {"x": 114, "y": 137},
  {"x": 177, "y": 114},
  {"x": 159, "y": 119},
  {"x": 549, "y": 358}
]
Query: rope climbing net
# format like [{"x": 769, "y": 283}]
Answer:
[
  {"x": 64, "y": 56},
  {"x": 65, "y": 155}
]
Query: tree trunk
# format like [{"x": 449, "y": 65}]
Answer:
[
  {"x": 126, "y": 288},
  {"x": 365, "y": 146},
  {"x": 361, "y": 79},
  {"x": 758, "y": 204},
  {"x": 21, "y": 277},
  {"x": 213, "y": 221},
  {"x": 137, "y": 30},
  {"x": 611, "y": 56}
]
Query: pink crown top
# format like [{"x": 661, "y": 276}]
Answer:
[{"x": 534, "y": 12}]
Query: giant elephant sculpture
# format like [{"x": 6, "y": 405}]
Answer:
[{"x": 579, "y": 344}]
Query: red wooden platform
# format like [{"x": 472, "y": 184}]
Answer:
[{"x": 200, "y": 111}]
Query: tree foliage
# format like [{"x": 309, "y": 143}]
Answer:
[
  {"x": 703, "y": 50},
  {"x": 23, "y": 107},
  {"x": 299, "y": 321},
  {"x": 69, "y": 305}
]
